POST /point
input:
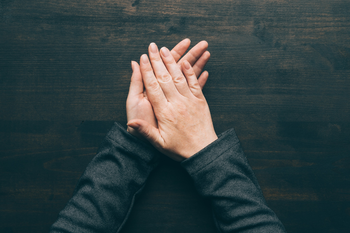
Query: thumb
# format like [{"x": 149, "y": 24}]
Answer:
[
  {"x": 148, "y": 131},
  {"x": 136, "y": 84}
]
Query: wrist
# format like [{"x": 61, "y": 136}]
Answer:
[{"x": 204, "y": 142}]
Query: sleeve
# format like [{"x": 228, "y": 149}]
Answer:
[
  {"x": 106, "y": 191},
  {"x": 222, "y": 174}
]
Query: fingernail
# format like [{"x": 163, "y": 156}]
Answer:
[
  {"x": 133, "y": 126},
  {"x": 165, "y": 52},
  {"x": 132, "y": 67},
  {"x": 144, "y": 58},
  {"x": 153, "y": 47},
  {"x": 186, "y": 65}
]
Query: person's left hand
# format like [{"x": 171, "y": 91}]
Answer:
[{"x": 137, "y": 103}]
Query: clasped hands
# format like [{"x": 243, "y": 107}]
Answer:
[{"x": 165, "y": 104}]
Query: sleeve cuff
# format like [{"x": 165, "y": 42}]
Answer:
[
  {"x": 119, "y": 135},
  {"x": 210, "y": 153}
]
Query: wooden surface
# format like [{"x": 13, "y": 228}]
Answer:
[{"x": 279, "y": 74}]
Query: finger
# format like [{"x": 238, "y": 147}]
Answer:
[
  {"x": 195, "y": 53},
  {"x": 154, "y": 92},
  {"x": 202, "y": 61},
  {"x": 179, "y": 50},
  {"x": 136, "y": 84},
  {"x": 164, "y": 78},
  {"x": 175, "y": 72},
  {"x": 202, "y": 80},
  {"x": 148, "y": 131},
  {"x": 192, "y": 79}
]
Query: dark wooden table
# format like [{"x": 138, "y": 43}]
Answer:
[{"x": 279, "y": 74}]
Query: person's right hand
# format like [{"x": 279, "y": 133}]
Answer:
[{"x": 184, "y": 122}]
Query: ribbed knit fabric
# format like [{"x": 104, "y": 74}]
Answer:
[
  {"x": 106, "y": 191},
  {"x": 222, "y": 174}
]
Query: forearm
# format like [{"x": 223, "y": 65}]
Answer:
[
  {"x": 105, "y": 193},
  {"x": 222, "y": 174}
]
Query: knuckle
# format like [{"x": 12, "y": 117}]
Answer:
[
  {"x": 178, "y": 79},
  {"x": 195, "y": 85},
  {"x": 165, "y": 78},
  {"x": 153, "y": 85},
  {"x": 190, "y": 72},
  {"x": 190, "y": 56},
  {"x": 169, "y": 61},
  {"x": 155, "y": 58},
  {"x": 148, "y": 69},
  {"x": 195, "y": 88}
]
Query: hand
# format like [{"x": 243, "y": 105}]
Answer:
[
  {"x": 182, "y": 113},
  {"x": 138, "y": 105}
]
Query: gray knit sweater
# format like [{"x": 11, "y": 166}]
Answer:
[{"x": 106, "y": 191}]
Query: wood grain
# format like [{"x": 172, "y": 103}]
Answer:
[{"x": 279, "y": 74}]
